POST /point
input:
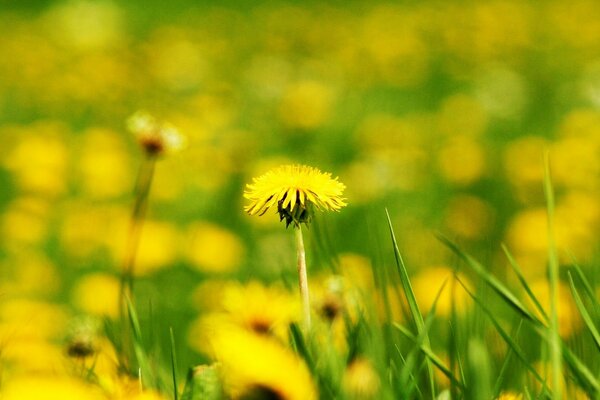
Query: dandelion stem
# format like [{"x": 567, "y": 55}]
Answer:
[
  {"x": 142, "y": 190},
  {"x": 302, "y": 276}
]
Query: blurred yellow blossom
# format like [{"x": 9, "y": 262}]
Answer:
[
  {"x": 104, "y": 164},
  {"x": 361, "y": 380},
  {"x": 39, "y": 159},
  {"x": 212, "y": 248},
  {"x": 569, "y": 320},
  {"x": 50, "y": 388},
  {"x": 428, "y": 283},
  {"x": 306, "y": 105},
  {"x": 98, "y": 294},
  {"x": 254, "y": 366},
  {"x": 469, "y": 217},
  {"x": 462, "y": 160}
]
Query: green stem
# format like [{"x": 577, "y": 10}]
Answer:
[
  {"x": 302, "y": 277},
  {"x": 142, "y": 190}
]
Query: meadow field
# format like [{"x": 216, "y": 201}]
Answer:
[{"x": 171, "y": 172}]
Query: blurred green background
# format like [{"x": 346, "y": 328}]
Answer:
[{"x": 439, "y": 111}]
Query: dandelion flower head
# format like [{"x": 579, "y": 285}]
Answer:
[
  {"x": 295, "y": 190},
  {"x": 155, "y": 137}
]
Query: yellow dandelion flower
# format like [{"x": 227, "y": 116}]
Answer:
[
  {"x": 256, "y": 367},
  {"x": 294, "y": 189},
  {"x": 155, "y": 137}
]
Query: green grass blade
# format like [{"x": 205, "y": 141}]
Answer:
[
  {"x": 519, "y": 272},
  {"x": 589, "y": 291},
  {"x": 555, "y": 342},
  {"x": 507, "y": 338},
  {"x": 299, "y": 344},
  {"x": 582, "y": 373},
  {"x": 431, "y": 356},
  {"x": 584, "y": 313},
  {"x": 410, "y": 298},
  {"x": 411, "y": 360},
  {"x": 479, "y": 370},
  {"x": 174, "y": 365},
  {"x": 504, "y": 369},
  {"x": 146, "y": 374},
  {"x": 491, "y": 280}
]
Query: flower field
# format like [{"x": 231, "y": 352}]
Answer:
[{"x": 299, "y": 200}]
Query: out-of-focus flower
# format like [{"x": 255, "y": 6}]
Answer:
[
  {"x": 39, "y": 159},
  {"x": 462, "y": 160},
  {"x": 25, "y": 221},
  {"x": 569, "y": 320},
  {"x": 158, "y": 246},
  {"x": 50, "y": 388},
  {"x": 254, "y": 366},
  {"x": 103, "y": 164},
  {"x": 306, "y": 105},
  {"x": 428, "y": 283},
  {"x": 469, "y": 217},
  {"x": 462, "y": 115},
  {"x": 213, "y": 248},
  {"x": 263, "y": 310},
  {"x": 509, "y": 396},
  {"x": 295, "y": 189},
  {"x": 155, "y": 137},
  {"x": 361, "y": 380},
  {"x": 98, "y": 294},
  {"x": 524, "y": 166}
]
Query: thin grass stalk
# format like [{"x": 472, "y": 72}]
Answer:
[
  {"x": 302, "y": 277},
  {"x": 138, "y": 215},
  {"x": 555, "y": 341}
]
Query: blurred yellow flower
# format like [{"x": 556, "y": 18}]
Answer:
[
  {"x": 569, "y": 320},
  {"x": 257, "y": 367},
  {"x": 49, "y": 388},
  {"x": 212, "y": 248},
  {"x": 39, "y": 159},
  {"x": 509, "y": 396},
  {"x": 98, "y": 294},
  {"x": 294, "y": 189},
  {"x": 469, "y": 217},
  {"x": 462, "y": 160},
  {"x": 361, "y": 380},
  {"x": 427, "y": 284},
  {"x": 306, "y": 105},
  {"x": 104, "y": 164}
]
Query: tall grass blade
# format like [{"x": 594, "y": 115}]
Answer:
[
  {"x": 584, "y": 313},
  {"x": 174, "y": 365},
  {"x": 491, "y": 280},
  {"x": 411, "y": 299},
  {"x": 517, "y": 270},
  {"x": 504, "y": 370},
  {"x": 146, "y": 374},
  {"x": 479, "y": 370},
  {"x": 555, "y": 342},
  {"x": 431, "y": 356},
  {"x": 507, "y": 338}
]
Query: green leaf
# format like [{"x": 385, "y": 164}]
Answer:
[{"x": 584, "y": 313}]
